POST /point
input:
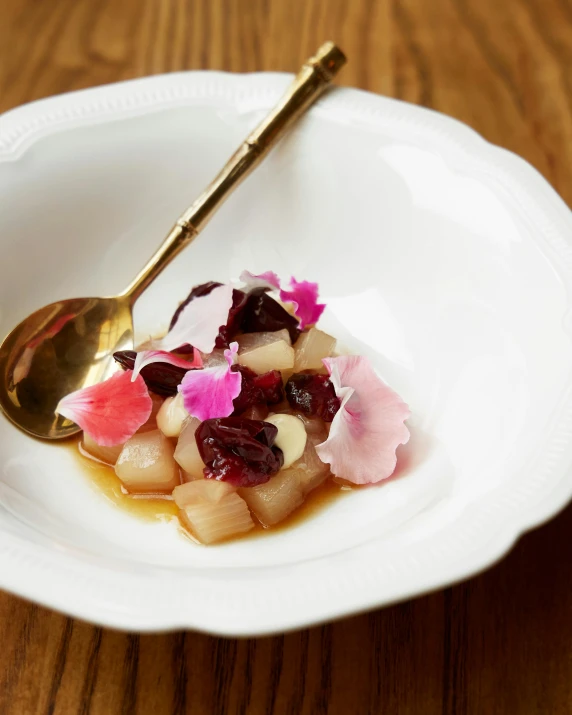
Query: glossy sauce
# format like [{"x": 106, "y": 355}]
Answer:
[{"x": 163, "y": 508}]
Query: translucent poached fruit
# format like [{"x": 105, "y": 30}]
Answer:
[{"x": 165, "y": 457}]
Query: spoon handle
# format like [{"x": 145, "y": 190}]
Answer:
[{"x": 310, "y": 82}]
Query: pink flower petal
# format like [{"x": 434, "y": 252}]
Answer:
[
  {"x": 147, "y": 357},
  {"x": 199, "y": 322},
  {"x": 304, "y": 297},
  {"x": 209, "y": 393},
  {"x": 111, "y": 411},
  {"x": 269, "y": 280},
  {"x": 369, "y": 425}
]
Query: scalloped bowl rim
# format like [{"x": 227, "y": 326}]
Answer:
[{"x": 89, "y": 591}]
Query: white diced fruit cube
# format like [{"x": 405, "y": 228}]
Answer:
[
  {"x": 310, "y": 348},
  {"x": 262, "y": 352},
  {"x": 212, "y": 511},
  {"x": 146, "y": 464},
  {"x": 187, "y": 453},
  {"x": 107, "y": 455},
  {"x": 284, "y": 492}
]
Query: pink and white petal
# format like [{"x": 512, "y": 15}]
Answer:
[
  {"x": 148, "y": 357},
  {"x": 304, "y": 297},
  {"x": 369, "y": 426},
  {"x": 268, "y": 279},
  {"x": 208, "y": 394},
  {"x": 199, "y": 322},
  {"x": 111, "y": 411}
]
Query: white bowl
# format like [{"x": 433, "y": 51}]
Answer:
[{"x": 443, "y": 258}]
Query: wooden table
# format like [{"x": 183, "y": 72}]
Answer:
[{"x": 499, "y": 643}]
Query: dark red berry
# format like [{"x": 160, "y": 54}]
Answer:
[
  {"x": 238, "y": 450},
  {"x": 264, "y": 314},
  {"x": 258, "y": 389},
  {"x": 314, "y": 395},
  {"x": 226, "y": 332},
  {"x": 160, "y": 377}
]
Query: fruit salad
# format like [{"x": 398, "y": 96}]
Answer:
[{"x": 242, "y": 409}]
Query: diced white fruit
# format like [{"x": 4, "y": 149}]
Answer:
[
  {"x": 107, "y": 455},
  {"x": 274, "y": 501},
  {"x": 262, "y": 352},
  {"x": 249, "y": 341},
  {"x": 187, "y": 453},
  {"x": 171, "y": 416},
  {"x": 309, "y": 470},
  {"x": 211, "y": 510},
  {"x": 210, "y": 490},
  {"x": 291, "y": 437},
  {"x": 146, "y": 464},
  {"x": 310, "y": 348}
]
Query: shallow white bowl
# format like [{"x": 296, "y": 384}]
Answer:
[{"x": 443, "y": 258}]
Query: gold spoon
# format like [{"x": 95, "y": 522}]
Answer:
[{"x": 69, "y": 345}]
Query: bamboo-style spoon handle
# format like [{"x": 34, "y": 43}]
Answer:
[{"x": 310, "y": 82}]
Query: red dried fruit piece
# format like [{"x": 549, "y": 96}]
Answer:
[
  {"x": 263, "y": 314},
  {"x": 238, "y": 450},
  {"x": 232, "y": 326},
  {"x": 314, "y": 395},
  {"x": 258, "y": 389},
  {"x": 161, "y": 378}
]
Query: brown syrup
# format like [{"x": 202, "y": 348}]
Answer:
[{"x": 163, "y": 508}]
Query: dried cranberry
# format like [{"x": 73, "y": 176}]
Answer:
[
  {"x": 314, "y": 395},
  {"x": 160, "y": 377},
  {"x": 232, "y": 326},
  {"x": 238, "y": 450},
  {"x": 258, "y": 389},
  {"x": 264, "y": 314}
]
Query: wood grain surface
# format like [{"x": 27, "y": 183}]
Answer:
[{"x": 500, "y": 643}]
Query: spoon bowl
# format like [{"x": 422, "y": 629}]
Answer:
[{"x": 60, "y": 348}]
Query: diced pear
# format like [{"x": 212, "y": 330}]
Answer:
[
  {"x": 210, "y": 490},
  {"x": 309, "y": 470},
  {"x": 212, "y": 511},
  {"x": 310, "y": 348},
  {"x": 291, "y": 437},
  {"x": 171, "y": 416},
  {"x": 146, "y": 464},
  {"x": 284, "y": 492},
  {"x": 187, "y": 453},
  {"x": 274, "y": 501},
  {"x": 249, "y": 341},
  {"x": 262, "y": 352},
  {"x": 107, "y": 455}
]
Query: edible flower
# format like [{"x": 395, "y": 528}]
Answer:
[
  {"x": 208, "y": 394},
  {"x": 302, "y": 294},
  {"x": 111, "y": 411},
  {"x": 304, "y": 297},
  {"x": 199, "y": 322},
  {"x": 369, "y": 425},
  {"x": 148, "y": 357},
  {"x": 268, "y": 280}
]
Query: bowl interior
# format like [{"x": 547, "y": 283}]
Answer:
[{"x": 432, "y": 272}]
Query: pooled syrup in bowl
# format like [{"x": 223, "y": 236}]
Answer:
[{"x": 162, "y": 508}]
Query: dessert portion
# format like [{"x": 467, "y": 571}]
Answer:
[{"x": 241, "y": 410}]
